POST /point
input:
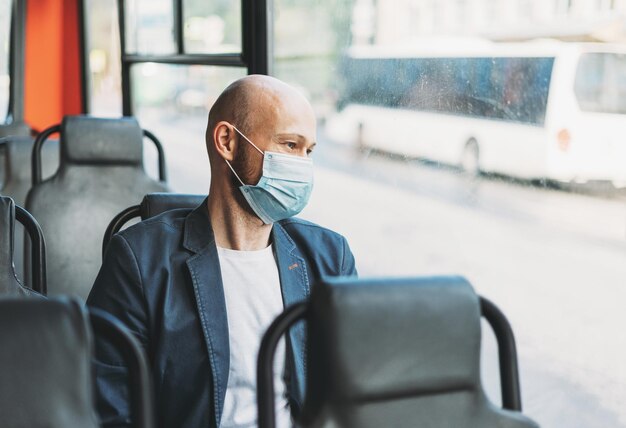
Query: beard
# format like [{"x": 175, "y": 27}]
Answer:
[{"x": 246, "y": 166}]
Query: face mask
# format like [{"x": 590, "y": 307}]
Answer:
[{"x": 284, "y": 188}]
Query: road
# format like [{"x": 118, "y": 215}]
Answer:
[{"x": 553, "y": 261}]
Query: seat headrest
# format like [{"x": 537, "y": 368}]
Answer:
[
  {"x": 45, "y": 364},
  {"x": 7, "y": 231},
  {"x": 389, "y": 338},
  {"x": 14, "y": 129},
  {"x": 90, "y": 140},
  {"x": 157, "y": 203}
]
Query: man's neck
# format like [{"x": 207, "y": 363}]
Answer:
[{"x": 233, "y": 227}]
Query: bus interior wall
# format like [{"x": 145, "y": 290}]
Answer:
[{"x": 53, "y": 86}]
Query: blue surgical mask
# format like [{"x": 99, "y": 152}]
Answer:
[{"x": 284, "y": 188}]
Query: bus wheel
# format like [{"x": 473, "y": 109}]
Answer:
[{"x": 470, "y": 159}]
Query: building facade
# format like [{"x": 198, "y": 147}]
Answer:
[{"x": 388, "y": 22}]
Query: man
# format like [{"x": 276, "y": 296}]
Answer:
[{"x": 199, "y": 288}]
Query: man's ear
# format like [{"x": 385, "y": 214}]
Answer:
[{"x": 224, "y": 140}]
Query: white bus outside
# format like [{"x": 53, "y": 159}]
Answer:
[{"x": 534, "y": 110}]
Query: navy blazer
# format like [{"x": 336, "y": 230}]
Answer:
[{"x": 162, "y": 279}]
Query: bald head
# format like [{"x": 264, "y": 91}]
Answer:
[{"x": 255, "y": 101}]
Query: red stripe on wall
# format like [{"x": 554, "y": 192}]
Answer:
[{"x": 52, "y": 65}]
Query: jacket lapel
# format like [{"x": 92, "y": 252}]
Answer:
[
  {"x": 294, "y": 281},
  {"x": 206, "y": 278}
]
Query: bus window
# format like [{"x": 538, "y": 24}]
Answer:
[
  {"x": 5, "y": 35},
  {"x": 105, "y": 90},
  {"x": 212, "y": 27},
  {"x": 150, "y": 26},
  {"x": 410, "y": 94},
  {"x": 514, "y": 89},
  {"x": 601, "y": 83},
  {"x": 173, "y": 101}
]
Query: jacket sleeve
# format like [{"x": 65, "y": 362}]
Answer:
[
  {"x": 348, "y": 267},
  {"x": 118, "y": 291}
]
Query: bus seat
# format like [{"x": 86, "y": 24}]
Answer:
[
  {"x": 10, "y": 285},
  {"x": 14, "y": 129},
  {"x": 391, "y": 352},
  {"x": 15, "y": 180},
  {"x": 100, "y": 172},
  {"x": 152, "y": 204},
  {"x": 48, "y": 382},
  {"x": 15, "y": 162}
]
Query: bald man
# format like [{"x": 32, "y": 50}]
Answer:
[{"x": 199, "y": 287}]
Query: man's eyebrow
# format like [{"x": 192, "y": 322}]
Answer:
[{"x": 296, "y": 136}]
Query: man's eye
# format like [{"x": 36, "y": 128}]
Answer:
[{"x": 291, "y": 145}]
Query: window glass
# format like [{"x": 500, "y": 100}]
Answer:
[
  {"x": 105, "y": 88},
  {"x": 212, "y": 26},
  {"x": 150, "y": 26},
  {"x": 5, "y": 38},
  {"x": 513, "y": 89},
  {"x": 173, "y": 102},
  {"x": 450, "y": 141},
  {"x": 601, "y": 83}
]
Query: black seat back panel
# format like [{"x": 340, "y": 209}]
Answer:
[
  {"x": 399, "y": 352},
  {"x": 45, "y": 364},
  {"x": 157, "y": 203},
  {"x": 424, "y": 340}
]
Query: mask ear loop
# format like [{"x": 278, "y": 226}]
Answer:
[
  {"x": 233, "y": 170},
  {"x": 253, "y": 145},
  {"x": 248, "y": 140}
]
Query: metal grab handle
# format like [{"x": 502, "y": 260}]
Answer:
[
  {"x": 35, "y": 160},
  {"x": 507, "y": 355},
  {"x": 265, "y": 366},
  {"x": 140, "y": 382},
  {"x": 116, "y": 224},
  {"x": 37, "y": 249},
  {"x": 161, "y": 152}
]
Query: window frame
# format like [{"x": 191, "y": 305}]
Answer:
[
  {"x": 255, "y": 55},
  {"x": 17, "y": 45}
]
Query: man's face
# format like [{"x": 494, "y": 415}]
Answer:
[{"x": 287, "y": 125}]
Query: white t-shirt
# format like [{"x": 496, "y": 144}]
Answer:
[{"x": 253, "y": 300}]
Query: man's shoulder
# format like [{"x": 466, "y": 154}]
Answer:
[
  {"x": 295, "y": 225},
  {"x": 167, "y": 224},
  {"x": 325, "y": 249}
]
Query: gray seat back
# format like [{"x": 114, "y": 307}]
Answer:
[
  {"x": 399, "y": 353},
  {"x": 10, "y": 285},
  {"x": 16, "y": 128},
  {"x": 100, "y": 173},
  {"x": 15, "y": 159},
  {"x": 15, "y": 181},
  {"x": 45, "y": 365}
]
